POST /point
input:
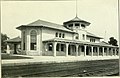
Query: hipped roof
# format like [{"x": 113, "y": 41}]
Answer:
[
  {"x": 16, "y": 40},
  {"x": 76, "y": 19},
  {"x": 41, "y": 23}
]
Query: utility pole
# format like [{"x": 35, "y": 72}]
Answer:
[
  {"x": 119, "y": 33},
  {"x": 76, "y": 8}
]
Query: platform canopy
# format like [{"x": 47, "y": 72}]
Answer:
[{"x": 79, "y": 42}]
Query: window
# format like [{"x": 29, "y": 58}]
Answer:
[
  {"x": 59, "y": 35},
  {"x": 70, "y": 25},
  {"x": 83, "y": 37},
  {"x": 82, "y": 25},
  {"x": 23, "y": 40},
  {"x": 77, "y": 24},
  {"x": 76, "y": 37},
  {"x": 63, "y": 35},
  {"x": 33, "y": 40},
  {"x": 92, "y": 40},
  {"x": 56, "y": 35}
]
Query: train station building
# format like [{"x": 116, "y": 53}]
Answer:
[{"x": 42, "y": 38}]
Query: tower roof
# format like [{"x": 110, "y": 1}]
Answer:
[{"x": 76, "y": 19}]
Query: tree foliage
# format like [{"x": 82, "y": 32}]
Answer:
[
  {"x": 3, "y": 43},
  {"x": 112, "y": 41}
]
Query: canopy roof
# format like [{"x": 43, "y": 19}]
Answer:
[
  {"x": 93, "y": 35},
  {"x": 14, "y": 40},
  {"x": 78, "y": 42}
]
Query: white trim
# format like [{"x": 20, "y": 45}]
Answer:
[
  {"x": 30, "y": 39},
  {"x": 33, "y": 29}
]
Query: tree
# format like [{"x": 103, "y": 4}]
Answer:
[
  {"x": 3, "y": 43},
  {"x": 112, "y": 41}
]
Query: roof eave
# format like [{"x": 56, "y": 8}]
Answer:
[
  {"x": 20, "y": 27},
  {"x": 95, "y": 36},
  {"x": 88, "y": 23}
]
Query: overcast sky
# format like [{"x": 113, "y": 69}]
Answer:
[{"x": 102, "y": 14}]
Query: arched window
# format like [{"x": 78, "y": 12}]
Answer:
[{"x": 33, "y": 40}]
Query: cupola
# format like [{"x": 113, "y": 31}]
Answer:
[{"x": 76, "y": 23}]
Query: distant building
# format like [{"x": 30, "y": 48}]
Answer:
[{"x": 44, "y": 38}]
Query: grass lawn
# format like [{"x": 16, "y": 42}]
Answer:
[{"x": 8, "y": 57}]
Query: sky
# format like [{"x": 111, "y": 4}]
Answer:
[{"x": 102, "y": 14}]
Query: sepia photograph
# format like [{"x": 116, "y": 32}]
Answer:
[{"x": 60, "y": 38}]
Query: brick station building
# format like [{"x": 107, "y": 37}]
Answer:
[{"x": 44, "y": 38}]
